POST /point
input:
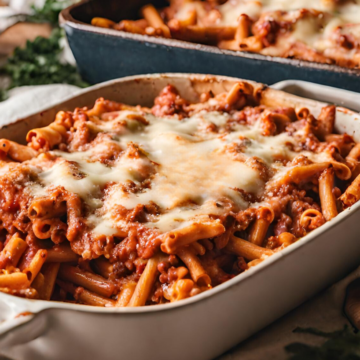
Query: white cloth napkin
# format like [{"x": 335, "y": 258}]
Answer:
[
  {"x": 18, "y": 7},
  {"x": 28, "y": 100},
  {"x": 24, "y": 6}
]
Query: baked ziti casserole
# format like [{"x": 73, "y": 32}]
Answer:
[
  {"x": 324, "y": 31},
  {"x": 122, "y": 205}
]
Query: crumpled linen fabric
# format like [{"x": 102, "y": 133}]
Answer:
[{"x": 28, "y": 100}]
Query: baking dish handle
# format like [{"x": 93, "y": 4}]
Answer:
[
  {"x": 339, "y": 97},
  {"x": 18, "y": 328}
]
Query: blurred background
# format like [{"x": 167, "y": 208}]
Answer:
[{"x": 33, "y": 49}]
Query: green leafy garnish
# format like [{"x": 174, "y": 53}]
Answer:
[
  {"x": 49, "y": 12},
  {"x": 39, "y": 63},
  {"x": 3, "y": 95},
  {"x": 340, "y": 345}
]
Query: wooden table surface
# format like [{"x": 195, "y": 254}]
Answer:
[{"x": 18, "y": 34}]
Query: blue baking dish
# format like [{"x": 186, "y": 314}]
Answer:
[{"x": 104, "y": 54}]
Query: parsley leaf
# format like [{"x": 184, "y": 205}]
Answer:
[
  {"x": 340, "y": 345},
  {"x": 49, "y": 12},
  {"x": 39, "y": 63},
  {"x": 3, "y": 95}
]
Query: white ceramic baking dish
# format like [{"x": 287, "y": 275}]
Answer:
[{"x": 206, "y": 325}]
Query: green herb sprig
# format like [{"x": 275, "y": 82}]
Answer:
[
  {"x": 49, "y": 12},
  {"x": 39, "y": 63},
  {"x": 3, "y": 95},
  {"x": 340, "y": 345}
]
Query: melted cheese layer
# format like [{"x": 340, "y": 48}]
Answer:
[
  {"x": 314, "y": 32},
  {"x": 189, "y": 169},
  {"x": 232, "y": 9}
]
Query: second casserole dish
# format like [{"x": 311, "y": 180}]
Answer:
[{"x": 303, "y": 32}]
